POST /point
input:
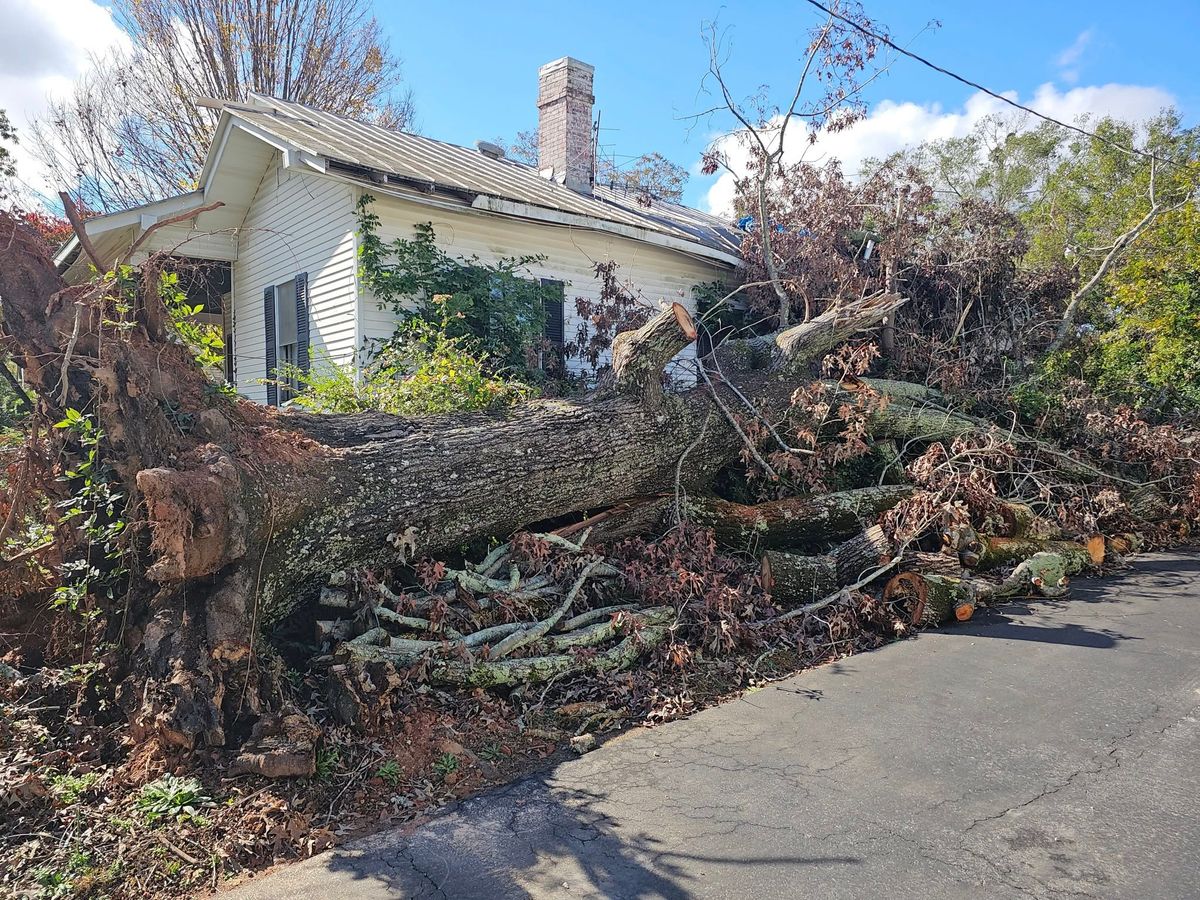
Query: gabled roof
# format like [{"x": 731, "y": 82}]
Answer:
[
  {"x": 415, "y": 161},
  {"x": 408, "y": 165}
]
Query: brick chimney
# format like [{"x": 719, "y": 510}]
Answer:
[{"x": 565, "y": 152}]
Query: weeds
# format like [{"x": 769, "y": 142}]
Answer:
[
  {"x": 173, "y": 797},
  {"x": 389, "y": 772},
  {"x": 445, "y": 765},
  {"x": 329, "y": 762},
  {"x": 491, "y": 751},
  {"x": 70, "y": 788}
]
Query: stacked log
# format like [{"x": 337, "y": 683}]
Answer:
[{"x": 796, "y": 521}]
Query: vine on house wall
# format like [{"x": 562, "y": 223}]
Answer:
[{"x": 498, "y": 307}]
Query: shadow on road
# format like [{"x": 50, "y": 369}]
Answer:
[
  {"x": 995, "y": 624},
  {"x": 533, "y": 838},
  {"x": 1161, "y": 577}
]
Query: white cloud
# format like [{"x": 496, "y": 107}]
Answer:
[
  {"x": 44, "y": 47},
  {"x": 1069, "y": 60},
  {"x": 892, "y": 126}
]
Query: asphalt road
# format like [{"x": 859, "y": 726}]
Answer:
[{"x": 1043, "y": 751}]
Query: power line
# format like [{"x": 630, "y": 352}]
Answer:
[{"x": 979, "y": 87}]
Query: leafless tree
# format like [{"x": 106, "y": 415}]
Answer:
[
  {"x": 840, "y": 60},
  {"x": 524, "y": 148},
  {"x": 651, "y": 174},
  {"x": 132, "y": 129}
]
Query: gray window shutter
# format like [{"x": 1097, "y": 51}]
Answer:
[
  {"x": 269, "y": 321},
  {"x": 302, "y": 336},
  {"x": 555, "y": 329}
]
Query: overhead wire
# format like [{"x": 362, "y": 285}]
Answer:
[{"x": 979, "y": 87}]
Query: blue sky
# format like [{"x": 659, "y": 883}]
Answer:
[{"x": 473, "y": 64}]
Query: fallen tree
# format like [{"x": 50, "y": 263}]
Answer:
[
  {"x": 240, "y": 515},
  {"x": 246, "y": 511}
]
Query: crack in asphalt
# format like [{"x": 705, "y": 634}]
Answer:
[{"x": 1103, "y": 765}]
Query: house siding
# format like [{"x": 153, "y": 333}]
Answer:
[
  {"x": 181, "y": 241},
  {"x": 297, "y": 222},
  {"x": 658, "y": 275}
]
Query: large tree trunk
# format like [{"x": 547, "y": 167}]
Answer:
[{"x": 248, "y": 510}]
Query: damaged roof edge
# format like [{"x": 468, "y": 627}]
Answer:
[
  {"x": 453, "y": 198},
  {"x": 424, "y": 160},
  {"x": 135, "y": 215}
]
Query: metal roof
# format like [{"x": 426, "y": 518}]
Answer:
[{"x": 447, "y": 168}]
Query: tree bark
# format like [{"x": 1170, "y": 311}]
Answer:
[
  {"x": 1000, "y": 551},
  {"x": 792, "y": 578},
  {"x": 930, "y": 599},
  {"x": 638, "y": 357},
  {"x": 796, "y": 521}
]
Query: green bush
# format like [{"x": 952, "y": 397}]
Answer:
[
  {"x": 498, "y": 306},
  {"x": 419, "y": 371}
]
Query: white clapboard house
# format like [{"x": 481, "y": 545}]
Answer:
[{"x": 283, "y": 244}]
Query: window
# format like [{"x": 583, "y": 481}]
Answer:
[
  {"x": 286, "y": 343},
  {"x": 227, "y": 332},
  {"x": 287, "y": 333},
  {"x": 550, "y": 356}
]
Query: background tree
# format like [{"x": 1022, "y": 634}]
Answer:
[
  {"x": 8, "y": 168},
  {"x": 524, "y": 148},
  {"x": 841, "y": 59},
  {"x": 650, "y": 173},
  {"x": 132, "y": 129}
]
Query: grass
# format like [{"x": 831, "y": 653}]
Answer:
[{"x": 70, "y": 788}]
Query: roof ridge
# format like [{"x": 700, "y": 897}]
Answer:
[{"x": 341, "y": 138}]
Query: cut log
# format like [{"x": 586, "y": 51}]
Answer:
[
  {"x": 796, "y": 521},
  {"x": 864, "y": 552},
  {"x": 791, "y": 578},
  {"x": 932, "y": 563},
  {"x": 929, "y": 600},
  {"x": 999, "y": 551},
  {"x": 786, "y": 348},
  {"x": 638, "y": 357},
  {"x": 1123, "y": 544},
  {"x": 1044, "y": 573},
  {"x": 1017, "y": 518}
]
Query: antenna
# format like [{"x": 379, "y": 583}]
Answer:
[{"x": 595, "y": 144}]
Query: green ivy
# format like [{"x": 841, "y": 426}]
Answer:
[
  {"x": 498, "y": 306},
  {"x": 205, "y": 341}
]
